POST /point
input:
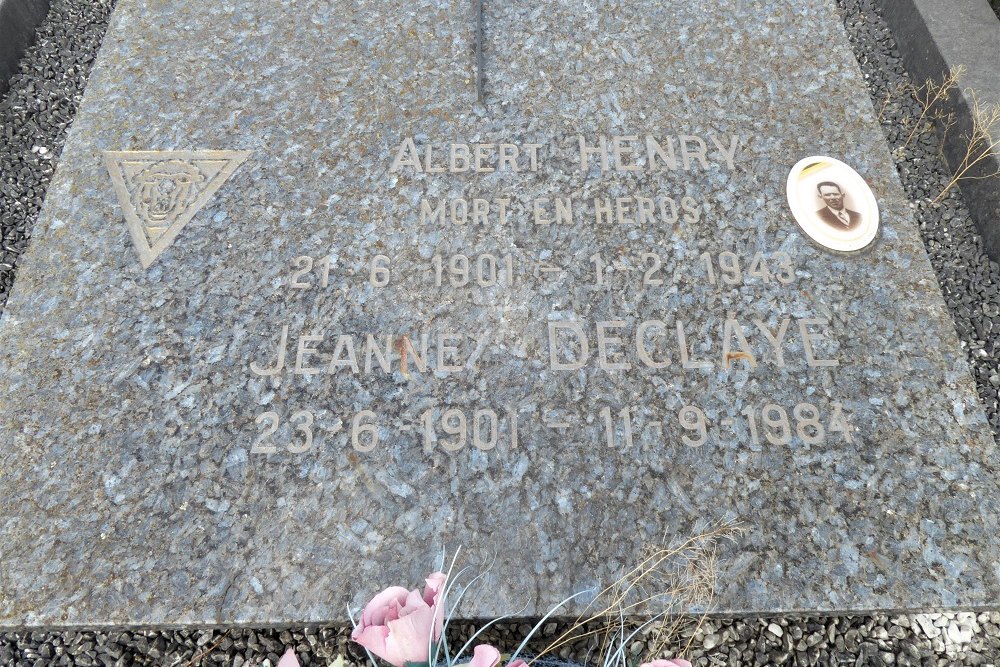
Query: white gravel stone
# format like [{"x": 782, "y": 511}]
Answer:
[
  {"x": 926, "y": 624},
  {"x": 960, "y": 633}
]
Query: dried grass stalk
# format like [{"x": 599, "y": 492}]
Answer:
[{"x": 665, "y": 583}]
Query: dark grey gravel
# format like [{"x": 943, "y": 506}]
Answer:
[
  {"x": 34, "y": 117},
  {"x": 876, "y": 640},
  {"x": 35, "y": 114}
]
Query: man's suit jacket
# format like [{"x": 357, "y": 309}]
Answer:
[{"x": 827, "y": 216}]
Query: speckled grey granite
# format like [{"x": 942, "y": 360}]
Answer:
[{"x": 129, "y": 493}]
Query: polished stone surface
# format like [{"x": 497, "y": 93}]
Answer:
[{"x": 135, "y": 396}]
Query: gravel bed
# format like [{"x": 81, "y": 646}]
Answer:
[
  {"x": 917, "y": 640},
  {"x": 35, "y": 114},
  {"x": 33, "y": 121}
]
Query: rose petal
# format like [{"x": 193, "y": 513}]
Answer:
[
  {"x": 382, "y": 605},
  {"x": 373, "y": 638},
  {"x": 399, "y": 625},
  {"x": 435, "y": 586},
  {"x": 484, "y": 655},
  {"x": 409, "y": 637},
  {"x": 434, "y": 597},
  {"x": 289, "y": 659},
  {"x": 412, "y": 603}
]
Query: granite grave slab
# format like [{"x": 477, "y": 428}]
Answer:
[{"x": 303, "y": 311}]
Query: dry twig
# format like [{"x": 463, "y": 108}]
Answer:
[
  {"x": 931, "y": 97},
  {"x": 983, "y": 141},
  {"x": 667, "y": 581},
  {"x": 201, "y": 656}
]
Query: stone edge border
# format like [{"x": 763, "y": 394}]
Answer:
[
  {"x": 934, "y": 36},
  {"x": 18, "y": 20}
]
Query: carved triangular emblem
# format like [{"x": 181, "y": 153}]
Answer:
[{"x": 160, "y": 191}]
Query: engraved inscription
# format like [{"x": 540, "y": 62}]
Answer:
[
  {"x": 486, "y": 427},
  {"x": 563, "y": 345}
]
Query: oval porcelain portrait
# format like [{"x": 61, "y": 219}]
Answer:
[{"x": 832, "y": 204}]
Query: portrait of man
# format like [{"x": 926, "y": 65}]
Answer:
[
  {"x": 848, "y": 220},
  {"x": 834, "y": 213}
]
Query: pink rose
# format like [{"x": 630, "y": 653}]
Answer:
[
  {"x": 399, "y": 625},
  {"x": 676, "y": 662},
  {"x": 485, "y": 655}
]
